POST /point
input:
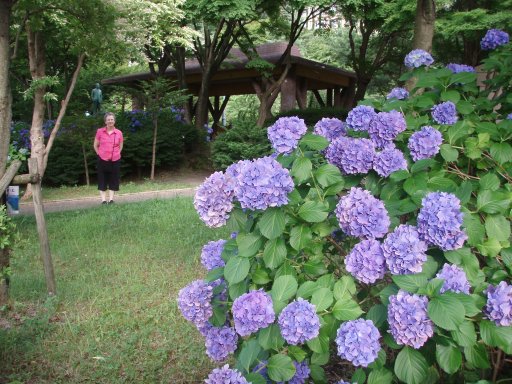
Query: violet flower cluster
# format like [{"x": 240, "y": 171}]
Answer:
[
  {"x": 362, "y": 215},
  {"x": 214, "y": 200},
  {"x": 385, "y": 127},
  {"x": 398, "y": 93},
  {"x": 455, "y": 279},
  {"x": 408, "y": 320},
  {"x": 499, "y": 304},
  {"x": 211, "y": 254},
  {"x": 252, "y": 311},
  {"x": 220, "y": 342},
  {"x": 425, "y": 143},
  {"x": 458, "y": 68},
  {"x": 299, "y": 322},
  {"x": 388, "y": 161},
  {"x": 330, "y": 128},
  {"x": 285, "y": 133},
  {"x": 302, "y": 372},
  {"x": 263, "y": 183},
  {"x": 351, "y": 155},
  {"x": 366, "y": 262},
  {"x": 493, "y": 39},
  {"x": 194, "y": 302},
  {"x": 404, "y": 251},
  {"x": 225, "y": 375},
  {"x": 445, "y": 113},
  {"x": 360, "y": 117},
  {"x": 418, "y": 57},
  {"x": 358, "y": 342},
  {"x": 440, "y": 220}
]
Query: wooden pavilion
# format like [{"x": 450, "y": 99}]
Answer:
[{"x": 233, "y": 78}]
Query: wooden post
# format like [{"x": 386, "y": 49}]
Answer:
[
  {"x": 44, "y": 243},
  {"x": 288, "y": 92}
]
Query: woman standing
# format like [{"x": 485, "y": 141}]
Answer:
[{"x": 108, "y": 145}]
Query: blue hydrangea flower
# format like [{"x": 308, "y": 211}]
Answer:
[
  {"x": 358, "y": 342},
  {"x": 343, "y": 382},
  {"x": 398, "y": 93},
  {"x": 285, "y": 133},
  {"x": 360, "y": 117},
  {"x": 425, "y": 143},
  {"x": 445, "y": 113},
  {"x": 362, "y": 215},
  {"x": 299, "y": 322},
  {"x": 388, "y": 161},
  {"x": 418, "y": 57},
  {"x": 440, "y": 220},
  {"x": 261, "y": 368},
  {"x": 330, "y": 128},
  {"x": 225, "y": 375},
  {"x": 210, "y": 254},
  {"x": 457, "y": 68},
  {"x": 203, "y": 328},
  {"x": 351, "y": 155},
  {"x": 366, "y": 262},
  {"x": 214, "y": 200},
  {"x": 404, "y": 251},
  {"x": 509, "y": 116},
  {"x": 233, "y": 171},
  {"x": 252, "y": 311},
  {"x": 194, "y": 302},
  {"x": 455, "y": 279},
  {"x": 408, "y": 320},
  {"x": 220, "y": 342},
  {"x": 385, "y": 127},
  {"x": 493, "y": 39},
  {"x": 263, "y": 183},
  {"x": 302, "y": 372},
  {"x": 499, "y": 304}
]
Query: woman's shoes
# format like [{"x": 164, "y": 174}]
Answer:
[{"x": 111, "y": 202}]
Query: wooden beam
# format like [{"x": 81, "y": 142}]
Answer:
[
  {"x": 328, "y": 97},
  {"x": 6, "y": 179},
  {"x": 318, "y": 98}
]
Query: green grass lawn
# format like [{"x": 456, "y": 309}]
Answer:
[{"x": 115, "y": 319}]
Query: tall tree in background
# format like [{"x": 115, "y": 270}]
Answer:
[
  {"x": 375, "y": 31},
  {"x": 82, "y": 28},
  {"x": 424, "y": 25}
]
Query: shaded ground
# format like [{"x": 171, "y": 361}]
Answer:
[{"x": 192, "y": 178}]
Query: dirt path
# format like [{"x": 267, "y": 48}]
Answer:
[{"x": 193, "y": 179}]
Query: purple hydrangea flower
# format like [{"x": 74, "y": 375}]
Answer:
[
  {"x": 203, "y": 328},
  {"x": 445, "y": 113},
  {"x": 366, "y": 262},
  {"x": 263, "y": 183},
  {"x": 214, "y": 200},
  {"x": 351, "y": 155},
  {"x": 418, "y": 57},
  {"x": 385, "y": 127},
  {"x": 408, "y": 320},
  {"x": 404, "y": 251},
  {"x": 343, "y": 382},
  {"x": 425, "y": 143},
  {"x": 233, "y": 171},
  {"x": 509, "y": 116},
  {"x": 299, "y": 322},
  {"x": 358, "y": 342},
  {"x": 285, "y": 134},
  {"x": 220, "y": 342},
  {"x": 388, "y": 161},
  {"x": 210, "y": 255},
  {"x": 360, "y": 117},
  {"x": 261, "y": 369},
  {"x": 440, "y": 219},
  {"x": 252, "y": 311},
  {"x": 493, "y": 39},
  {"x": 499, "y": 304},
  {"x": 455, "y": 279},
  {"x": 225, "y": 375},
  {"x": 457, "y": 68},
  {"x": 194, "y": 302},
  {"x": 398, "y": 93},
  {"x": 302, "y": 372},
  {"x": 330, "y": 128},
  {"x": 362, "y": 215}
]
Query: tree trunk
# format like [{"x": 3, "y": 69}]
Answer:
[
  {"x": 86, "y": 165},
  {"x": 5, "y": 91},
  {"x": 203, "y": 97},
  {"x": 424, "y": 25},
  {"x": 153, "y": 152},
  {"x": 4, "y": 277},
  {"x": 361, "y": 87}
]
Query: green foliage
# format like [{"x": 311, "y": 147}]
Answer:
[
  {"x": 7, "y": 229},
  {"x": 244, "y": 141},
  {"x": 293, "y": 251}
]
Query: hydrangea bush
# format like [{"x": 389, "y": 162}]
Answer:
[{"x": 398, "y": 262}]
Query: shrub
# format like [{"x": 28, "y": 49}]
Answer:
[
  {"x": 311, "y": 115},
  {"x": 387, "y": 262}
]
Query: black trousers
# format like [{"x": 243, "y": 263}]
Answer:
[{"x": 108, "y": 174}]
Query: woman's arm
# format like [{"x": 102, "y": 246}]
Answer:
[{"x": 96, "y": 145}]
